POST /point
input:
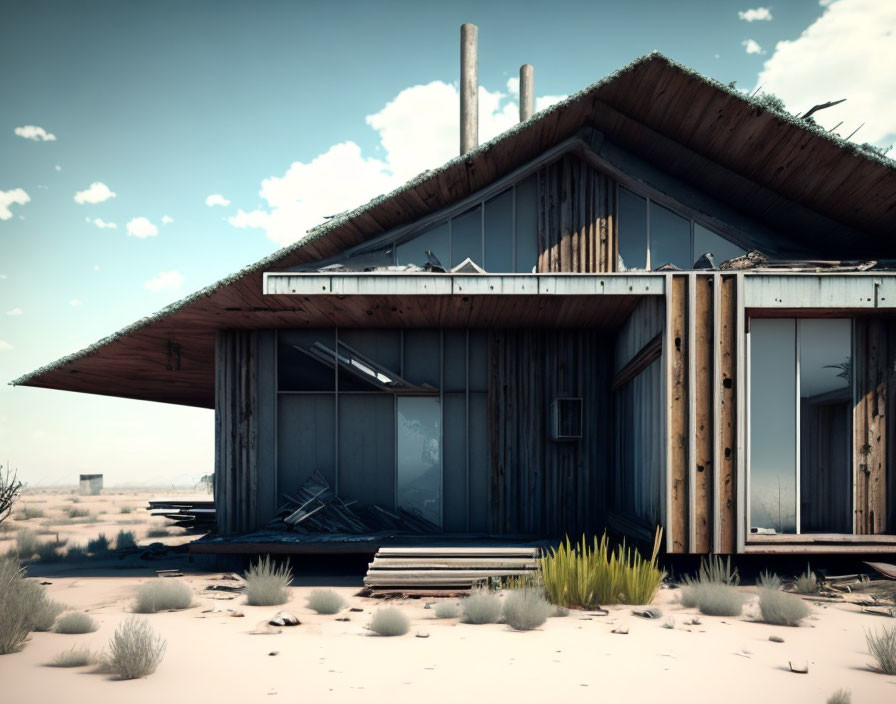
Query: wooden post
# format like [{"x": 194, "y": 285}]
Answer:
[{"x": 527, "y": 91}]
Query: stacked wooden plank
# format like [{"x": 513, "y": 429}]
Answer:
[
  {"x": 186, "y": 513},
  {"x": 421, "y": 569},
  {"x": 316, "y": 508}
]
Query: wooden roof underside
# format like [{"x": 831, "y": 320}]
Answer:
[{"x": 757, "y": 162}]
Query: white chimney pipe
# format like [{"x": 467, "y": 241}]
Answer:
[
  {"x": 469, "y": 88},
  {"x": 527, "y": 91}
]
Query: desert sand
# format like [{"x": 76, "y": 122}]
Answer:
[{"x": 212, "y": 656}]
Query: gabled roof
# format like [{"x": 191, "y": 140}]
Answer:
[{"x": 794, "y": 177}]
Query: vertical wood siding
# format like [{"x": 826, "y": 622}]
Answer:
[
  {"x": 236, "y": 430},
  {"x": 576, "y": 211},
  {"x": 540, "y": 486},
  {"x": 725, "y": 455}
]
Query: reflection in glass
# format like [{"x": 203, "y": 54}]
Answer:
[
  {"x": 825, "y": 425},
  {"x": 419, "y": 459},
  {"x": 708, "y": 241},
  {"x": 632, "y": 229},
  {"x": 414, "y": 251},
  {"x": 499, "y": 233},
  {"x": 773, "y": 425},
  {"x": 670, "y": 238},
  {"x": 526, "y": 225},
  {"x": 466, "y": 237}
]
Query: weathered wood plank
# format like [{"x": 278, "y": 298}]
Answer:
[
  {"x": 725, "y": 455},
  {"x": 677, "y": 422},
  {"x": 703, "y": 416}
]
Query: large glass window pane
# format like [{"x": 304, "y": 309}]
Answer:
[
  {"x": 708, "y": 241},
  {"x": 419, "y": 456},
  {"x": 670, "y": 239},
  {"x": 773, "y": 425},
  {"x": 499, "y": 233},
  {"x": 306, "y": 361},
  {"x": 825, "y": 425},
  {"x": 414, "y": 251},
  {"x": 527, "y": 225},
  {"x": 466, "y": 237},
  {"x": 632, "y": 229}
]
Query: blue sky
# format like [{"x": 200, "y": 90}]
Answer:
[{"x": 243, "y": 123}]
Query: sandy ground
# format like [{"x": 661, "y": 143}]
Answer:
[
  {"x": 212, "y": 657},
  {"x": 104, "y": 515}
]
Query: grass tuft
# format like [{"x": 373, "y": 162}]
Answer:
[
  {"x": 447, "y": 609},
  {"x": 841, "y": 696},
  {"x": 162, "y": 595},
  {"x": 882, "y": 647},
  {"x": 389, "y": 621},
  {"x": 777, "y": 607},
  {"x": 76, "y": 623},
  {"x": 587, "y": 576},
  {"x": 14, "y": 622},
  {"x": 75, "y": 553},
  {"x": 76, "y": 512},
  {"x": 267, "y": 584},
  {"x": 77, "y": 656},
  {"x": 126, "y": 509},
  {"x": 50, "y": 551},
  {"x": 135, "y": 650},
  {"x": 98, "y": 545},
  {"x": 27, "y": 543},
  {"x": 158, "y": 533},
  {"x": 806, "y": 583},
  {"x": 482, "y": 606},
  {"x": 525, "y": 609},
  {"x": 713, "y": 591},
  {"x": 29, "y": 512},
  {"x": 125, "y": 540},
  {"x": 325, "y": 601}
]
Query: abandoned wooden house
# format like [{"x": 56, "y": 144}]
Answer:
[{"x": 678, "y": 311}]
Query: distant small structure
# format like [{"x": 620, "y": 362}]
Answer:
[{"x": 91, "y": 484}]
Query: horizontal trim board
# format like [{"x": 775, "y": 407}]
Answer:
[
  {"x": 826, "y": 549},
  {"x": 458, "y": 552},
  {"x": 813, "y": 290},
  {"x": 815, "y": 538},
  {"x": 389, "y": 284}
]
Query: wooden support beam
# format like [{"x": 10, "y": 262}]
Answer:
[
  {"x": 727, "y": 420},
  {"x": 703, "y": 415},
  {"x": 643, "y": 358},
  {"x": 677, "y": 418}
]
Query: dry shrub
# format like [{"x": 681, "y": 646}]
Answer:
[
  {"x": 806, "y": 583},
  {"x": 29, "y": 512},
  {"x": 267, "y": 583},
  {"x": 76, "y": 623},
  {"x": 841, "y": 696},
  {"x": 98, "y": 545},
  {"x": 75, "y": 512},
  {"x": 77, "y": 656},
  {"x": 24, "y": 607},
  {"x": 50, "y": 551},
  {"x": 777, "y": 607},
  {"x": 713, "y": 590},
  {"x": 158, "y": 533},
  {"x": 325, "y": 601},
  {"x": 389, "y": 621},
  {"x": 525, "y": 609},
  {"x": 27, "y": 543},
  {"x": 125, "y": 540},
  {"x": 882, "y": 647},
  {"x": 135, "y": 650},
  {"x": 162, "y": 594},
  {"x": 447, "y": 609},
  {"x": 482, "y": 606}
]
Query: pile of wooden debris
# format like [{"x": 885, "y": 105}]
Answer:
[
  {"x": 316, "y": 508},
  {"x": 193, "y": 515}
]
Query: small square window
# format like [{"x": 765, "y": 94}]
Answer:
[{"x": 566, "y": 418}]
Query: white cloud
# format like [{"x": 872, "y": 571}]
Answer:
[
  {"x": 15, "y": 311},
  {"x": 756, "y": 14},
  {"x": 103, "y": 225},
  {"x": 4, "y": 345},
  {"x": 751, "y": 46},
  {"x": 16, "y": 196},
  {"x": 96, "y": 193},
  {"x": 167, "y": 220},
  {"x": 843, "y": 54},
  {"x": 216, "y": 199},
  {"x": 75, "y": 302},
  {"x": 96, "y": 267},
  {"x": 2, "y": 276},
  {"x": 58, "y": 167},
  {"x": 165, "y": 281},
  {"x": 142, "y": 227},
  {"x": 418, "y": 130},
  {"x": 35, "y": 133}
]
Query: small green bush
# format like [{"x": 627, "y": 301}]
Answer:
[
  {"x": 27, "y": 543},
  {"x": 77, "y": 656},
  {"x": 882, "y": 647},
  {"x": 125, "y": 540},
  {"x": 525, "y": 609},
  {"x": 76, "y": 623},
  {"x": 807, "y": 583},
  {"x": 447, "y": 609},
  {"x": 98, "y": 545},
  {"x": 75, "y": 512},
  {"x": 267, "y": 584},
  {"x": 482, "y": 606},
  {"x": 162, "y": 594},
  {"x": 135, "y": 650},
  {"x": 777, "y": 607},
  {"x": 841, "y": 696},
  {"x": 389, "y": 621},
  {"x": 158, "y": 533},
  {"x": 325, "y": 601}
]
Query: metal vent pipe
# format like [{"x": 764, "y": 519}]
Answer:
[{"x": 469, "y": 88}]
